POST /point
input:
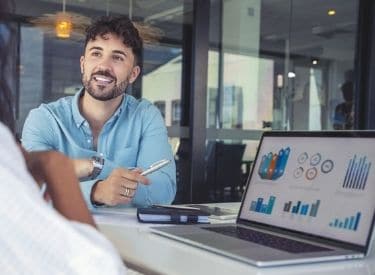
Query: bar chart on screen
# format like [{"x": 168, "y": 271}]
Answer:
[
  {"x": 260, "y": 206},
  {"x": 357, "y": 173},
  {"x": 347, "y": 223},
  {"x": 301, "y": 208}
]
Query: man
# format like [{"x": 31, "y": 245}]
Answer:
[
  {"x": 104, "y": 130},
  {"x": 343, "y": 117},
  {"x": 36, "y": 238}
]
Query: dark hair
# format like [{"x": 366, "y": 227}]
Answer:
[
  {"x": 6, "y": 43},
  {"x": 123, "y": 27},
  {"x": 347, "y": 91}
]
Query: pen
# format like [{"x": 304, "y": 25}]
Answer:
[{"x": 155, "y": 166}]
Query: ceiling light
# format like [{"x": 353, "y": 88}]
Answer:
[
  {"x": 279, "y": 81},
  {"x": 314, "y": 61},
  {"x": 331, "y": 12},
  {"x": 63, "y": 24},
  {"x": 291, "y": 75}
]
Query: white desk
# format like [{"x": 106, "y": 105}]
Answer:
[{"x": 154, "y": 254}]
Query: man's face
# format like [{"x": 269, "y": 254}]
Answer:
[{"x": 107, "y": 67}]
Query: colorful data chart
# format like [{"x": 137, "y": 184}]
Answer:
[
  {"x": 260, "y": 207},
  {"x": 301, "y": 208},
  {"x": 273, "y": 165},
  {"x": 357, "y": 173},
  {"x": 311, "y": 167},
  {"x": 348, "y": 223}
]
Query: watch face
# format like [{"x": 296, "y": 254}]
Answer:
[{"x": 98, "y": 163}]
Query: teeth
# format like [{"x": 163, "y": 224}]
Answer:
[{"x": 103, "y": 79}]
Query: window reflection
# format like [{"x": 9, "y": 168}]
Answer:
[
  {"x": 290, "y": 74},
  {"x": 292, "y": 82}
]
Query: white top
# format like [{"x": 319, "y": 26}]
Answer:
[{"x": 34, "y": 237}]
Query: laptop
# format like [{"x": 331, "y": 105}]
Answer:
[{"x": 310, "y": 197}]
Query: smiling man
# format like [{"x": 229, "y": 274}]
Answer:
[{"x": 105, "y": 131}]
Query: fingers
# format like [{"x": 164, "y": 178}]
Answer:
[
  {"x": 114, "y": 192},
  {"x": 125, "y": 195},
  {"x": 127, "y": 192},
  {"x": 120, "y": 187},
  {"x": 132, "y": 175},
  {"x": 120, "y": 199}
]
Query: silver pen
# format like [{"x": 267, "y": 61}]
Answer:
[{"x": 155, "y": 166}]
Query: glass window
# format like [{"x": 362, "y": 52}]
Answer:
[
  {"x": 49, "y": 65},
  {"x": 272, "y": 65},
  {"x": 280, "y": 65},
  {"x": 163, "y": 82}
]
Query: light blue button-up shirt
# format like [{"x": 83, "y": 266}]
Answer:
[{"x": 135, "y": 136}]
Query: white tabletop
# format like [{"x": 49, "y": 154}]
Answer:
[{"x": 146, "y": 251}]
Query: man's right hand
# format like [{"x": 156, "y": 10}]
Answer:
[{"x": 119, "y": 188}]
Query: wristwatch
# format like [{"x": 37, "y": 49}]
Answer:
[{"x": 98, "y": 163}]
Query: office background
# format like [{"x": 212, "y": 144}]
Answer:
[{"x": 223, "y": 72}]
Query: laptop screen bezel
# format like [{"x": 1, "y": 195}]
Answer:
[{"x": 335, "y": 242}]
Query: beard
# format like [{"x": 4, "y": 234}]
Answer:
[{"x": 100, "y": 92}]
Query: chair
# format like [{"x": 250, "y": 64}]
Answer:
[{"x": 224, "y": 169}]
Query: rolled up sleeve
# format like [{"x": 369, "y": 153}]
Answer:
[{"x": 154, "y": 147}]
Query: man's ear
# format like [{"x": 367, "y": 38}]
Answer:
[
  {"x": 134, "y": 74},
  {"x": 81, "y": 61}
]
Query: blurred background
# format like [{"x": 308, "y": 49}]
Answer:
[{"x": 223, "y": 72}]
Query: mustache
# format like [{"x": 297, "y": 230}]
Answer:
[{"x": 103, "y": 73}]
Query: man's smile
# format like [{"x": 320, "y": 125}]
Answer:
[{"x": 102, "y": 79}]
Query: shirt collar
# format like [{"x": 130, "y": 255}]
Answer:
[
  {"x": 118, "y": 112},
  {"x": 78, "y": 118},
  {"x": 121, "y": 107}
]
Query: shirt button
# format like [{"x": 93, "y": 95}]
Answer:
[
  {"x": 89, "y": 140},
  {"x": 86, "y": 124},
  {"x": 78, "y": 125}
]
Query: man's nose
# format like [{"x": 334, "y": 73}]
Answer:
[{"x": 105, "y": 65}]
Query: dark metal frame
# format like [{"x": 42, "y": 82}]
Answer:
[
  {"x": 198, "y": 99},
  {"x": 364, "y": 82}
]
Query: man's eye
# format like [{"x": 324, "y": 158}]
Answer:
[
  {"x": 118, "y": 58},
  {"x": 95, "y": 53}
]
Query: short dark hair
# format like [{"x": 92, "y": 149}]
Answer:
[{"x": 121, "y": 26}]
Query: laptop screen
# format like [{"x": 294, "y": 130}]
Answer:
[{"x": 323, "y": 186}]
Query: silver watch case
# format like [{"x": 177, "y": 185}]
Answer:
[{"x": 98, "y": 163}]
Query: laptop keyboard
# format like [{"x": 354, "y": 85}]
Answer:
[{"x": 266, "y": 239}]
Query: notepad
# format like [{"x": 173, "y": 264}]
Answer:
[{"x": 162, "y": 214}]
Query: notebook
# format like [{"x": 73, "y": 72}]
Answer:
[
  {"x": 172, "y": 214},
  {"x": 310, "y": 197}
]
